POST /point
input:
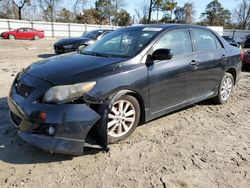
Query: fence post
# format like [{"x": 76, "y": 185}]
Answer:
[
  {"x": 8, "y": 24},
  {"x": 32, "y": 24},
  {"x": 52, "y": 29},
  {"x": 85, "y": 28},
  {"x": 69, "y": 29}
]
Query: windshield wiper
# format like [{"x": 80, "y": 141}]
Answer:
[{"x": 103, "y": 54}]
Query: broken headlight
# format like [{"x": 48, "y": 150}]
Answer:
[{"x": 66, "y": 93}]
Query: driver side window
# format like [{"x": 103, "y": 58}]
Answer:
[{"x": 178, "y": 41}]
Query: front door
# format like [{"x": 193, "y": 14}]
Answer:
[{"x": 169, "y": 80}]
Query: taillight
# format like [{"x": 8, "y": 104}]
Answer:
[{"x": 242, "y": 55}]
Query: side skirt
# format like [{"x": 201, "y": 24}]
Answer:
[{"x": 152, "y": 115}]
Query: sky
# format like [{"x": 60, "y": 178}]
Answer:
[{"x": 200, "y": 5}]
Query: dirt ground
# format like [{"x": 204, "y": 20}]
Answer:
[{"x": 202, "y": 146}]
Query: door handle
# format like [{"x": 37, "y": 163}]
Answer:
[{"x": 194, "y": 63}]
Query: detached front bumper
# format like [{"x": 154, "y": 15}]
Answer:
[{"x": 71, "y": 123}]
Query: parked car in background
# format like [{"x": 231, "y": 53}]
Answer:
[
  {"x": 245, "y": 56},
  {"x": 234, "y": 41},
  {"x": 72, "y": 44},
  {"x": 247, "y": 43},
  {"x": 23, "y": 33},
  {"x": 134, "y": 74}
]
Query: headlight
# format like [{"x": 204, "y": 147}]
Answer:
[
  {"x": 65, "y": 93},
  {"x": 68, "y": 46},
  {"x": 90, "y": 42}
]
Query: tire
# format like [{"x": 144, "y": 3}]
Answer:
[
  {"x": 225, "y": 89},
  {"x": 121, "y": 123},
  {"x": 36, "y": 37},
  {"x": 12, "y": 37}
]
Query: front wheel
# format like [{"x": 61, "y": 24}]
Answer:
[
  {"x": 123, "y": 118},
  {"x": 12, "y": 37},
  {"x": 225, "y": 89}
]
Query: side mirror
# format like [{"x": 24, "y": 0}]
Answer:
[
  {"x": 98, "y": 38},
  {"x": 162, "y": 54},
  {"x": 80, "y": 48}
]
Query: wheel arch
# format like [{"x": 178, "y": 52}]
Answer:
[
  {"x": 11, "y": 34},
  {"x": 134, "y": 94},
  {"x": 233, "y": 72}
]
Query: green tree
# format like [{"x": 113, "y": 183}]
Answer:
[
  {"x": 215, "y": 14},
  {"x": 242, "y": 15},
  {"x": 153, "y": 5},
  {"x": 184, "y": 14},
  {"x": 105, "y": 9},
  {"x": 169, "y": 6},
  {"x": 19, "y": 4},
  {"x": 180, "y": 16},
  {"x": 48, "y": 7},
  {"x": 123, "y": 18},
  {"x": 89, "y": 16},
  {"x": 64, "y": 16}
]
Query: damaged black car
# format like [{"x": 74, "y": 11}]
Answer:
[{"x": 135, "y": 74}]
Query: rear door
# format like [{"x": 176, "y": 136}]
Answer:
[
  {"x": 208, "y": 70},
  {"x": 30, "y": 33}
]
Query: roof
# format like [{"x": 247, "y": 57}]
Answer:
[{"x": 169, "y": 26}]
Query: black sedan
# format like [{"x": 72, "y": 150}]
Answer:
[
  {"x": 72, "y": 44},
  {"x": 231, "y": 41},
  {"x": 247, "y": 43},
  {"x": 132, "y": 75}
]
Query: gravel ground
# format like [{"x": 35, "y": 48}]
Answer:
[{"x": 204, "y": 145}]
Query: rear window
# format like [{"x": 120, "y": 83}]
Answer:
[{"x": 205, "y": 40}]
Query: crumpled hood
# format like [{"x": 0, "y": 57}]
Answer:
[
  {"x": 72, "y": 68},
  {"x": 73, "y": 40}
]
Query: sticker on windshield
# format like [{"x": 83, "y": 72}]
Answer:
[{"x": 152, "y": 29}]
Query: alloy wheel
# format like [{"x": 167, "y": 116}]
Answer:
[
  {"x": 226, "y": 88},
  {"x": 121, "y": 118}
]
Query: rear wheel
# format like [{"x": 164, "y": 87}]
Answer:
[
  {"x": 225, "y": 89},
  {"x": 36, "y": 37},
  {"x": 123, "y": 118},
  {"x": 12, "y": 37}
]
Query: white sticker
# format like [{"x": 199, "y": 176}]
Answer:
[{"x": 152, "y": 29}]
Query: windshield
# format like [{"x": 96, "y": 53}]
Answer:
[
  {"x": 90, "y": 34},
  {"x": 227, "y": 38},
  {"x": 122, "y": 43}
]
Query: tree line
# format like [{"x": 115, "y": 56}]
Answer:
[{"x": 113, "y": 12}]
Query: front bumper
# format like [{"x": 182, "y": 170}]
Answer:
[
  {"x": 60, "y": 49},
  {"x": 54, "y": 144},
  {"x": 71, "y": 122}
]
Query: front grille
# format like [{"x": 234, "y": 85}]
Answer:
[
  {"x": 58, "y": 47},
  {"x": 16, "y": 120},
  {"x": 23, "y": 90}
]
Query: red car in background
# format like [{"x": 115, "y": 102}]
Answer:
[{"x": 23, "y": 33}]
